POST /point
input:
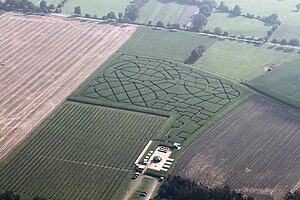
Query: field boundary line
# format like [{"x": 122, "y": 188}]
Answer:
[
  {"x": 274, "y": 98},
  {"x": 80, "y": 162},
  {"x": 118, "y": 107},
  {"x": 297, "y": 186}
]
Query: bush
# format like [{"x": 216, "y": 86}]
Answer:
[
  {"x": 195, "y": 55},
  {"x": 155, "y": 173},
  {"x": 160, "y": 24}
]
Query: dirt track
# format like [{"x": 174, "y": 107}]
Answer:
[
  {"x": 43, "y": 59},
  {"x": 256, "y": 149}
]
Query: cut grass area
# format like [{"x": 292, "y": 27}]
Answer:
[
  {"x": 282, "y": 83},
  {"x": 156, "y": 11},
  {"x": 175, "y": 46},
  {"x": 237, "y": 25},
  {"x": 265, "y": 8},
  {"x": 97, "y": 7},
  {"x": 241, "y": 61},
  {"x": 287, "y": 32},
  {"x": 81, "y": 152}
]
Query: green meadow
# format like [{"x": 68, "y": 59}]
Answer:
[
  {"x": 237, "y": 25},
  {"x": 97, "y": 7},
  {"x": 156, "y": 11},
  {"x": 241, "y": 61}
]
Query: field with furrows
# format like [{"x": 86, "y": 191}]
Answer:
[
  {"x": 82, "y": 152},
  {"x": 255, "y": 149},
  {"x": 43, "y": 60}
]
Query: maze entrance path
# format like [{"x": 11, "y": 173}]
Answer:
[{"x": 193, "y": 96}]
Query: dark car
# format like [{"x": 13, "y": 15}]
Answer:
[{"x": 143, "y": 194}]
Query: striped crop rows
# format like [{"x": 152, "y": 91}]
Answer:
[
  {"x": 83, "y": 152},
  {"x": 45, "y": 60},
  {"x": 255, "y": 149}
]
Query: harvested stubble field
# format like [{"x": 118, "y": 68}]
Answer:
[
  {"x": 186, "y": 17},
  {"x": 255, "y": 149},
  {"x": 45, "y": 60},
  {"x": 82, "y": 152}
]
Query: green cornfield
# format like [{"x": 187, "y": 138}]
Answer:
[{"x": 83, "y": 152}]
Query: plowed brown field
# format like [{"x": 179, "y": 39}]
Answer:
[
  {"x": 256, "y": 149},
  {"x": 43, "y": 59}
]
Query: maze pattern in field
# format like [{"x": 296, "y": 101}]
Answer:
[
  {"x": 46, "y": 58},
  {"x": 165, "y": 86},
  {"x": 84, "y": 152}
]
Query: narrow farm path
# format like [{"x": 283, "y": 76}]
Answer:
[
  {"x": 153, "y": 189},
  {"x": 133, "y": 187}
]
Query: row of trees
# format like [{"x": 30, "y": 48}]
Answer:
[
  {"x": 292, "y": 42},
  {"x": 177, "y": 188},
  {"x": 272, "y": 19},
  {"x": 219, "y": 31},
  {"x": 199, "y": 21},
  {"x": 9, "y": 195},
  {"x": 27, "y": 6},
  {"x": 293, "y": 196},
  {"x": 131, "y": 14},
  {"x": 45, "y": 8},
  {"x": 162, "y": 25},
  {"x": 206, "y": 7},
  {"x": 18, "y": 5},
  {"x": 236, "y": 11}
]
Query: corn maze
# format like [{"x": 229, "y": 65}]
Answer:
[
  {"x": 83, "y": 152},
  {"x": 161, "y": 85}
]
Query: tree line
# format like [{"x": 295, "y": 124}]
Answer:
[
  {"x": 293, "y": 196},
  {"x": 206, "y": 8},
  {"x": 10, "y": 195},
  {"x": 130, "y": 15},
  {"x": 293, "y": 42},
  {"x": 27, "y": 6},
  {"x": 177, "y": 188}
]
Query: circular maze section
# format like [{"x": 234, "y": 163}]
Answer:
[{"x": 166, "y": 86}]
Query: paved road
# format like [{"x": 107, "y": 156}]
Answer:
[{"x": 204, "y": 34}]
